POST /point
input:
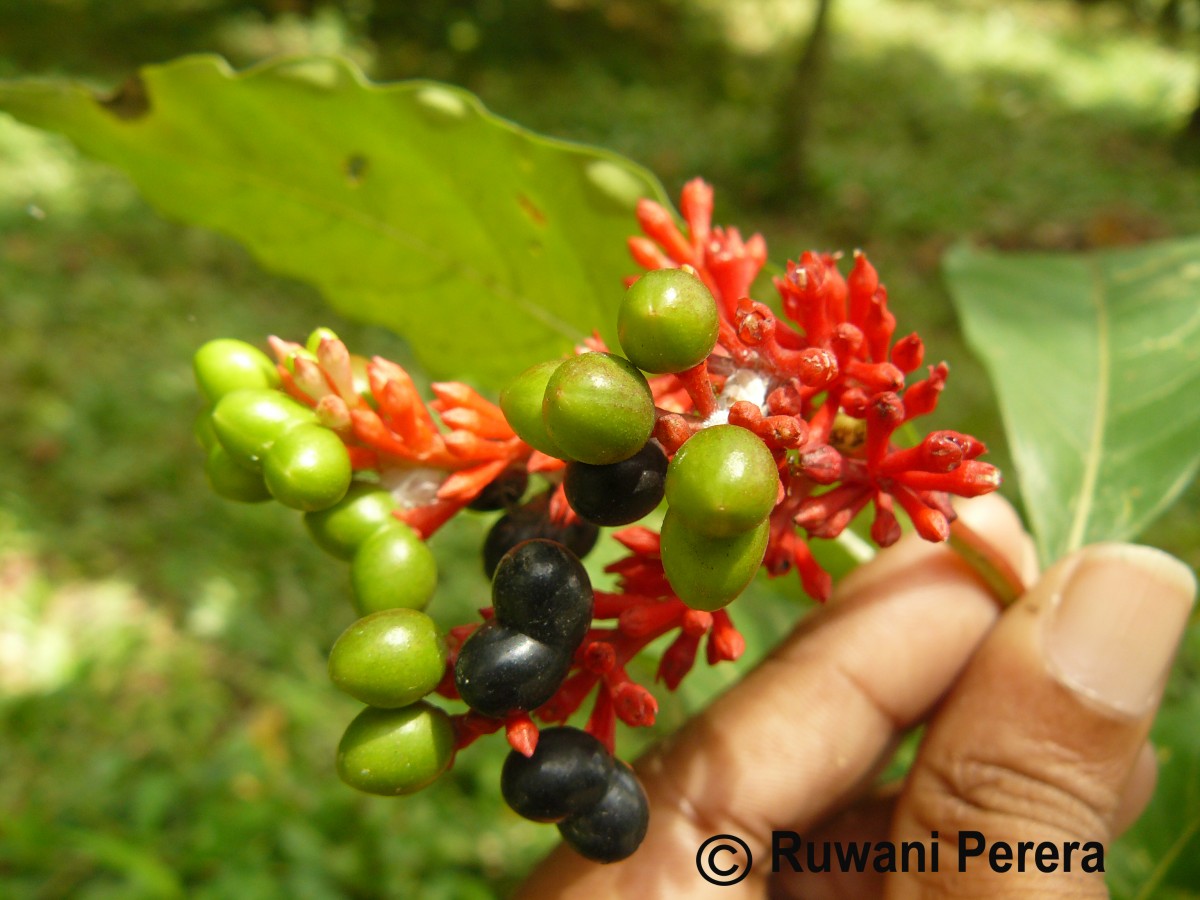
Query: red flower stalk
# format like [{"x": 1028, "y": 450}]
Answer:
[{"x": 522, "y": 734}]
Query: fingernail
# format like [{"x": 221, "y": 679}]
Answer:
[{"x": 1119, "y": 619}]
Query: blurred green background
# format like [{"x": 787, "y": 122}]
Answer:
[{"x": 167, "y": 727}]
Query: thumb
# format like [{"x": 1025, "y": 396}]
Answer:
[{"x": 1039, "y": 738}]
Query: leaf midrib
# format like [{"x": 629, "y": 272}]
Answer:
[
  {"x": 1168, "y": 859},
  {"x": 1095, "y": 445}
]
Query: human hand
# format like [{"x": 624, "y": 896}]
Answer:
[{"x": 1036, "y": 724}]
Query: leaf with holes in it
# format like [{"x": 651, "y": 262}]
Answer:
[
  {"x": 408, "y": 205},
  {"x": 1095, "y": 360}
]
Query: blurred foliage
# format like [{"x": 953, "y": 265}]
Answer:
[
  {"x": 1172, "y": 18},
  {"x": 166, "y": 723}
]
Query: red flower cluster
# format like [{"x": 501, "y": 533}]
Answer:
[
  {"x": 824, "y": 386},
  {"x": 379, "y": 414}
]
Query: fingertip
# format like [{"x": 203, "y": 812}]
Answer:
[
  {"x": 1138, "y": 790},
  {"x": 1113, "y": 617}
]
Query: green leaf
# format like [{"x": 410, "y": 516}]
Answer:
[
  {"x": 1095, "y": 360},
  {"x": 1159, "y": 857},
  {"x": 408, "y": 205}
]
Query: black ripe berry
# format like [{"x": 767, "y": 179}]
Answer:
[
  {"x": 531, "y": 521},
  {"x": 541, "y": 589},
  {"x": 543, "y": 603},
  {"x": 499, "y": 670},
  {"x": 572, "y": 779},
  {"x": 569, "y": 773},
  {"x": 621, "y": 492},
  {"x": 502, "y": 491},
  {"x": 614, "y": 827}
]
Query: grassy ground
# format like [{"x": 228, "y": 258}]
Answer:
[{"x": 166, "y": 724}]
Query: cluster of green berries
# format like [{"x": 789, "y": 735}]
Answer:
[
  {"x": 596, "y": 411},
  {"x": 262, "y": 444},
  {"x": 395, "y": 655}
]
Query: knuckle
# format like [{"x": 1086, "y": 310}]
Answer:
[{"x": 1020, "y": 790}]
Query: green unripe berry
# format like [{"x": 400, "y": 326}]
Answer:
[
  {"x": 521, "y": 403},
  {"x": 723, "y": 481},
  {"x": 202, "y": 428},
  {"x": 340, "y": 529},
  {"x": 248, "y": 422},
  {"x": 395, "y": 751},
  {"x": 231, "y": 481},
  {"x": 598, "y": 408},
  {"x": 667, "y": 321},
  {"x": 706, "y": 572},
  {"x": 308, "y": 468},
  {"x": 226, "y": 365},
  {"x": 393, "y": 568},
  {"x": 389, "y": 659}
]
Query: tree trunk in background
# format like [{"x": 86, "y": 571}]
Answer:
[
  {"x": 1170, "y": 19},
  {"x": 1187, "y": 143},
  {"x": 796, "y": 112},
  {"x": 1170, "y": 24}
]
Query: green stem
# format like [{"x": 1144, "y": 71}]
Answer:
[{"x": 1000, "y": 577}]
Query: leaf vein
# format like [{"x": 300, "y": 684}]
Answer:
[{"x": 1095, "y": 448}]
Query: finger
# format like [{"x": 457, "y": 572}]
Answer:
[
  {"x": 869, "y": 820},
  {"x": 1039, "y": 739},
  {"x": 806, "y": 729},
  {"x": 1135, "y": 797}
]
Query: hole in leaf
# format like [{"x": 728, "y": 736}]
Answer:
[
  {"x": 441, "y": 105},
  {"x": 130, "y": 101},
  {"x": 355, "y": 168}
]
